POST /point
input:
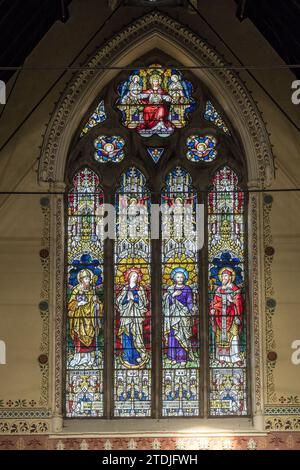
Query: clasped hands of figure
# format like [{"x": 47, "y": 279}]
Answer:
[{"x": 130, "y": 295}]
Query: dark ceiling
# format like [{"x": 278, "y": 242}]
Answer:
[
  {"x": 279, "y": 22},
  {"x": 24, "y": 23}
]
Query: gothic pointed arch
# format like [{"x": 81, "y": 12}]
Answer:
[
  {"x": 73, "y": 141},
  {"x": 157, "y": 30}
]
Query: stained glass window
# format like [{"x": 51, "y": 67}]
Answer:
[
  {"x": 201, "y": 149},
  {"x": 132, "y": 358},
  {"x": 167, "y": 336},
  {"x": 227, "y": 339},
  {"x": 155, "y": 100},
  {"x": 85, "y": 308},
  {"x": 109, "y": 149},
  {"x": 180, "y": 342},
  {"x": 98, "y": 116},
  {"x": 155, "y": 153},
  {"x": 212, "y": 115}
]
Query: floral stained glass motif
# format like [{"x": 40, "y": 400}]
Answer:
[
  {"x": 212, "y": 115},
  {"x": 201, "y": 149},
  {"x": 155, "y": 153},
  {"x": 180, "y": 342},
  {"x": 98, "y": 116},
  {"x": 156, "y": 100},
  {"x": 228, "y": 336},
  {"x": 109, "y": 149},
  {"x": 85, "y": 308},
  {"x": 132, "y": 344}
]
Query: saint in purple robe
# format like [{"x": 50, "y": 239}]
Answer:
[{"x": 178, "y": 305}]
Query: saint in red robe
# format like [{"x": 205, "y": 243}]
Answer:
[{"x": 226, "y": 318}]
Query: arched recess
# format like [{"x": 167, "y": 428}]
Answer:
[{"x": 155, "y": 30}]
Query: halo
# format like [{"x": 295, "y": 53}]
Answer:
[
  {"x": 80, "y": 274},
  {"x": 226, "y": 269},
  {"x": 126, "y": 263},
  {"x": 155, "y": 69},
  {"x": 133, "y": 269},
  {"x": 132, "y": 199},
  {"x": 179, "y": 270},
  {"x": 184, "y": 264}
]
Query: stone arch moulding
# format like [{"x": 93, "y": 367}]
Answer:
[{"x": 157, "y": 30}]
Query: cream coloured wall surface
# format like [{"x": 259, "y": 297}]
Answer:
[
  {"x": 285, "y": 223},
  {"x": 20, "y": 281},
  {"x": 21, "y": 218}
]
